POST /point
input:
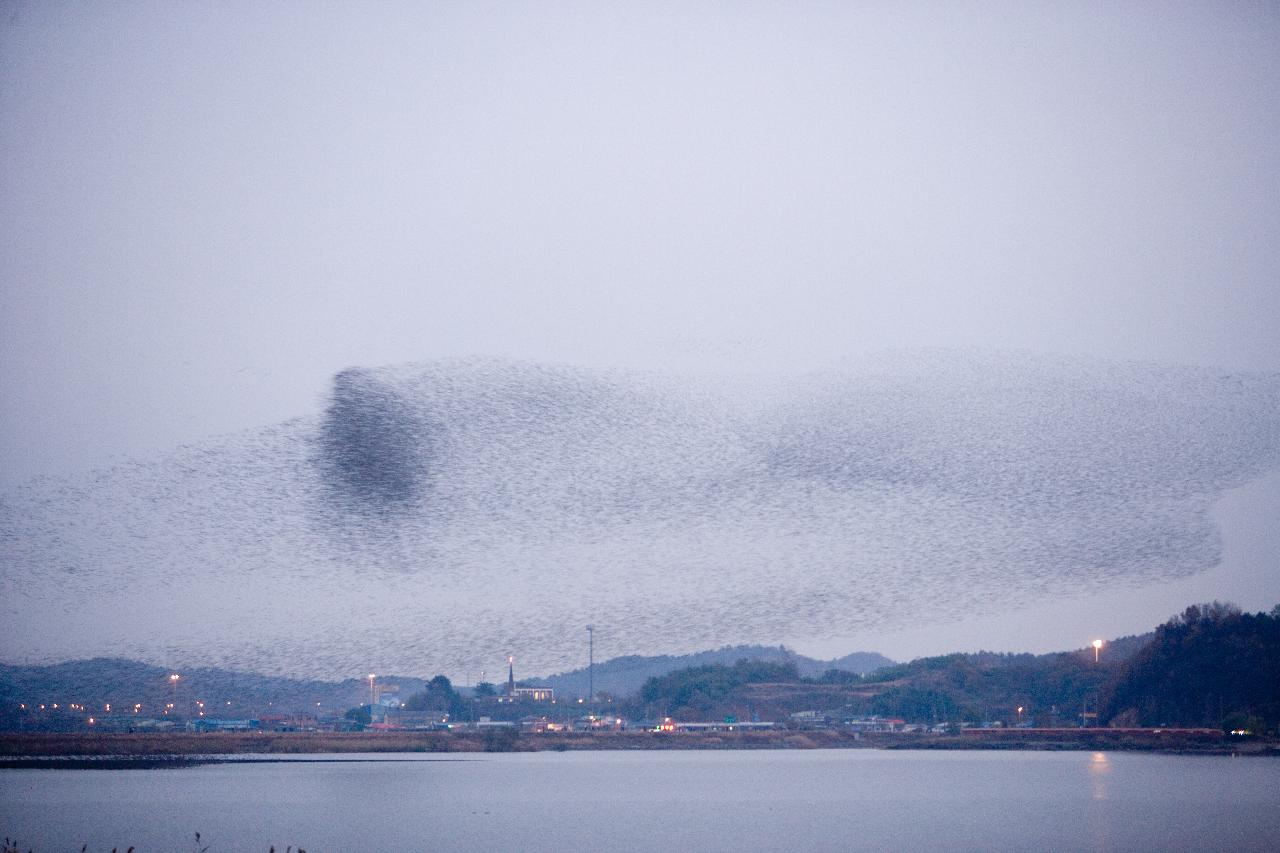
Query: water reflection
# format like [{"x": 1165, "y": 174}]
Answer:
[{"x": 1099, "y": 770}]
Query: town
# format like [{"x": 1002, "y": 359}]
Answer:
[
  {"x": 1134, "y": 687},
  {"x": 770, "y": 701}
]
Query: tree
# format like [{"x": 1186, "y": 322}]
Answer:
[
  {"x": 439, "y": 697},
  {"x": 708, "y": 690},
  {"x": 1243, "y": 723},
  {"x": 839, "y": 676}
]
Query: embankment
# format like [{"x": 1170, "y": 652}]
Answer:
[{"x": 209, "y": 746}]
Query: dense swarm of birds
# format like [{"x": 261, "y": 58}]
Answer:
[{"x": 438, "y": 516}]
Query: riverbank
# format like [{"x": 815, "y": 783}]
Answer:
[{"x": 171, "y": 746}]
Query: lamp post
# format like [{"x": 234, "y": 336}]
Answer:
[
  {"x": 173, "y": 682},
  {"x": 372, "y": 676},
  {"x": 1097, "y": 647},
  {"x": 591, "y": 669}
]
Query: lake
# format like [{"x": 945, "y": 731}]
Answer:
[{"x": 659, "y": 801}]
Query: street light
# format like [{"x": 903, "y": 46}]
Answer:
[
  {"x": 591, "y": 667},
  {"x": 372, "y": 676},
  {"x": 1097, "y": 647},
  {"x": 475, "y": 696}
]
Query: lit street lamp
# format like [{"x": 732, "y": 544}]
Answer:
[
  {"x": 1097, "y": 647},
  {"x": 591, "y": 668}
]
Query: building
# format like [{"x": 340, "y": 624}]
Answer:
[
  {"x": 539, "y": 725},
  {"x": 810, "y": 720},
  {"x": 511, "y": 693},
  {"x": 205, "y": 724},
  {"x": 599, "y": 724},
  {"x": 669, "y": 725},
  {"x": 724, "y": 727},
  {"x": 487, "y": 723},
  {"x": 874, "y": 724}
]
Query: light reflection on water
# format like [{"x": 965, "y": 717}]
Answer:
[
  {"x": 1099, "y": 769},
  {"x": 651, "y": 801}
]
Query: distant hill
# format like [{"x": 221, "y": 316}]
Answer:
[
  {"x": 1209, "y": 664},
  {"x": 123, "y": 683},
  {"x": 623, "y": 676},
  {"x": 1053, "y": 689}
]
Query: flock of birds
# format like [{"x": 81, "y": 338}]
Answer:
[{"x": 437, "y": 517}]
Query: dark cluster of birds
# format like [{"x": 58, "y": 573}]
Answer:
[{"x": 437, "y": 517}]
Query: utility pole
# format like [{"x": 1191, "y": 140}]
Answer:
[{"x": 591, "y": 668}]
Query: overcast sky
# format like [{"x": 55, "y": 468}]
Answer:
[{"x": 207, "y": 209}]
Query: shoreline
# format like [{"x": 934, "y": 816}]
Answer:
[{"x": 169, "y": 749}]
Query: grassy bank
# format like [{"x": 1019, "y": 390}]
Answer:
[{"x": 293, "y": 743}]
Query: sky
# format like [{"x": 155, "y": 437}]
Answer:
[{"x": 209, "y": 209}]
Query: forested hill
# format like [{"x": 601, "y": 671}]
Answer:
[
  {"x": 1052, "y": 689},
  {"x": 1211, "y": 665},
  {"x": 624, "y": 676}
]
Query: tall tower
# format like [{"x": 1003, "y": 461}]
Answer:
[{"x": 511, "y": 675}]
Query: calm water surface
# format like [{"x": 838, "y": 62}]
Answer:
[{"x": 660, "y": 801}]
